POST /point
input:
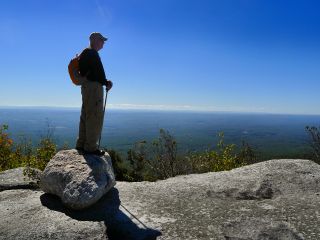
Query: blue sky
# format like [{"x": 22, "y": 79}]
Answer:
[{"x": 212, "y": 55}]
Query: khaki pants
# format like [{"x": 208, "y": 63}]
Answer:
[{"x": 91, "y": 118}]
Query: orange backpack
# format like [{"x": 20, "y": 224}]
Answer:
[{"x": 74, "y": 71}]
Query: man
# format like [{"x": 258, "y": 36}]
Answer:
[{"x": 91, "y": 119}]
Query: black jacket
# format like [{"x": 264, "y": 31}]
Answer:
[{"x": 91, "y": 66}]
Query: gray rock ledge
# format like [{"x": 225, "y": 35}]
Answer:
[
  {"x": 15, "y": 179},
  {"x": 276, "y": 199}
]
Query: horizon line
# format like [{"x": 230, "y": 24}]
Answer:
[{"x": 161, "y": 108}]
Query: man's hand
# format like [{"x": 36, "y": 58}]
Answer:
[{"x": 109, "y": 85}]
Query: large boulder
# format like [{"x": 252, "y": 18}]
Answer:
[{"x": 79, "y": 180}]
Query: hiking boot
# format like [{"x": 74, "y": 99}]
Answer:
[
  {"x": 79, "y": 149},
  {"x": 96, "y": 152}
]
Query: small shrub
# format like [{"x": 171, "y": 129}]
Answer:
[
  {"x": 5, "y": 148},
  {"x": 247, "y": 154},
  {"x": 156, "y": 160},
  {"x": 225, "y": 157},
  {"x": 22, "y": 153},
  {"x": 314, "y": 134},
  {"x": 121, "y": 171},
  {"x": 45, "y": 151},
  {"x": 139, "y": 162},
  {"x": 165, "y": 155},
  {"x": 160, "y": 160}
]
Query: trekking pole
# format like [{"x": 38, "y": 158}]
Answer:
[
  {"x": 134, "y": 216},
  {"x": 104, "y": 109}
]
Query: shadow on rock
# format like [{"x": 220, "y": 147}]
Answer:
[{"x": 118, "y": 224}]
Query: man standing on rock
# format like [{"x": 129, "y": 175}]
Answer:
[{"x": 91, "y": 119}]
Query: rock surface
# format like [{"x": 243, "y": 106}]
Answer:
[
  {"x": 16, "y": 179},
  {"x": 277, "y": 199},
  {"x": 79, "y": 180}
]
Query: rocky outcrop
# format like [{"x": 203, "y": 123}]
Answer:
[
  {"x": 79, "y": 180},
  {"x": 276, "y": 199},
  {"x": 20, "y": 178}
]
